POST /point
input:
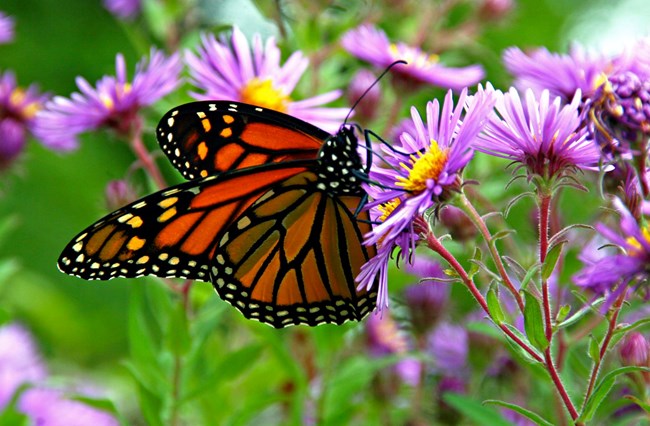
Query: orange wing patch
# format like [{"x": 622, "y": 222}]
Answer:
[
  {"x": 294, "y": 258},
  {"x": 173, "y": 232}
]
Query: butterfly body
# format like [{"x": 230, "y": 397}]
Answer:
[{"x": 271, "y": 216}]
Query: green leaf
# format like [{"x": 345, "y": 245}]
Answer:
[
  {"x": 349, "y": 380},
  {"x": 580, "y": 313},
  {"x": 518, "y": 349},
  {"x": 603, "y": 388},
  {"x": 177, "y": 333},
  {"x": 521, "y": 410},
  {"x": 475, "y": 411},
  {"x": 151, "y": 406},
  {"x": 562, "y": 313},
  {"x": 12, "y": 417},
  {"x": 552, "y": 257},
  {"x": 157, "y": 19},
  {"x": 500, "y": 235},
  {"x": 475, "y": 268},
  {"x": 494, "y": 305},
  {"x": 630, "y": 327},
  {"x": 644, "y": 405},
  {"x": 143, "y": 345},
  {"x": 529, "y": 276},
  {"x": 534, "y": 322},
  {"x": 233, "y": 365},
  {"x": 594, "y": 348}
]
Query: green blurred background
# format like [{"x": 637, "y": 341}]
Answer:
[{"x": 48, "y": 197}]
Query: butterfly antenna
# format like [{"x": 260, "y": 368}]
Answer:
[{"x": 388, "y": 68}]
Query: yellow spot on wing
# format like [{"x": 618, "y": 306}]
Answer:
[
  {"x": 228, "y": 119},
  {"x": 135, "y": 243},
  {"x": 167, "y": 214},
  {"x": 226, "y": 133},
  {"x": 202, "y": 150},
  {"x": 168, "y": 202},
  {"x": 135, "y": 222},
  {"x": 206, "y": 124}
]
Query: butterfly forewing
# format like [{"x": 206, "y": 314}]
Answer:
[
  {"x": 292, "y": 257},
  {"x": 211, "y": 137},
  {"x": 270, "y": 216},
  {"x": 171, "y": 233}
]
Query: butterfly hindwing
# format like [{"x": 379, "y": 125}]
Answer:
[
  {"x": 211, "y": 137},
  {"x": 292, "y": 257},
  {"x": 171, "y": 233}
]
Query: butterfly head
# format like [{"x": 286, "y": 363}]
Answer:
[{"x": 340, "y": 163}]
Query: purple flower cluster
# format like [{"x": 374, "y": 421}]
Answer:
[
  {"x": 230, "y": 68},
  {"x": 6, "y": 28},
  {"x": 422, "y": 173},
  {"x": 541, "y": 134},
  {"x": 371, "y": 44},
  {"x": 612, "y": 273},
  {"x": 123, "y": 9},
  {"x": 21, "y": 364},
  {"x": 113, "y": 103},
  {"x": 18, "y": 109}
]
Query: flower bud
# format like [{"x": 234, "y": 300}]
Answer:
[
  {"x": 633, "y": 350},
  {"x": 118, "y": 194},
  {"x": 457, "y": 223}
]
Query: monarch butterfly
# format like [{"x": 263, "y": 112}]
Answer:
[{"x": 270, "y": 215}]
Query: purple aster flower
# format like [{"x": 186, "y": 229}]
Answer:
[
  {"x": 426, "y": 301},
  {"x": 20, "y": 361},
  {"x": 371, "y": 44},
  {"x": 230, "y": 69},
  {"x": 428, "y": 168},
  {"x": 611, "y": 273},
  {"x": 448, "y": 345},
  {"x": 123, "y": 9},
  {"x": 6, "y": 28},
  {"x": 541, "y": 134},
  {"x": 18, "y": 108},
  {"x": 114, "y": 103},
  {"x": 51, "y": 407},
  {"x": 620, "y": 110},
  {"x": 384, "y": 337},
  {"x": 561, "y": 74},
  {"x": 423, "y": 174}
]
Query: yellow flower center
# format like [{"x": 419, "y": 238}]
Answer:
[
  {"x": 16, "y": 100},
  {"x": 387, "y": 208},
  {"x": 424, "y": 166},
  {"x": 637, "y": 248},
  {"x": 413, "y": 56},
  {"x": 262, "y": 93},
  {"x": 120, "y": 91}
]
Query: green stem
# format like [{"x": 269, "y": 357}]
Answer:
[
  {"x": 145, "y": 158},
  {"x": 476, "y": 218},
  {"x": 616, "y": 309},
  {"x": 544, "y": 210},
  {"x": 436, "y": 246}
]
